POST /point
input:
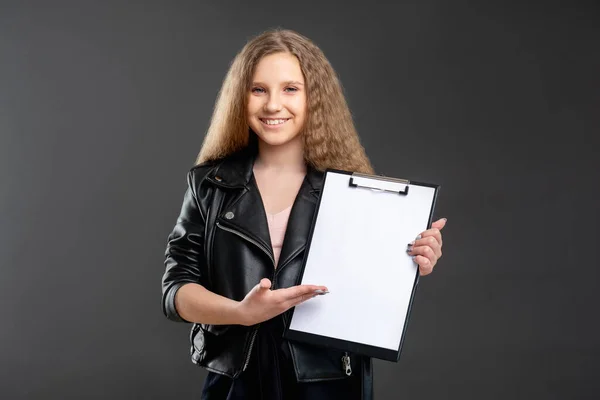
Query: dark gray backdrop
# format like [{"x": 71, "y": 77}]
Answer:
[{"x": 103, "y": 107}]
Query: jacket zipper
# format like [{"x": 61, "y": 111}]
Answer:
[
  {"x": 346, "y": 364},
  {"x": 247, "y": 361},
  {"x": 246, "y": 237}
]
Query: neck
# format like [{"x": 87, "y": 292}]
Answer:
[{"x": 286, "y": 157}]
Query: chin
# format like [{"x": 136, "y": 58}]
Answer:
[
  {"x": 277, "y": 143},
  {"x": 277, "y": 139}
]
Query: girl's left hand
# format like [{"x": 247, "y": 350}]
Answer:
[{"x": 427, "y": 248}]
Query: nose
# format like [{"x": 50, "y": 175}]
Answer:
[{"x": 273, "y": 104}]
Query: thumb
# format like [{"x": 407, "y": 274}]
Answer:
[
  {"x": 264, "y": 284},
  {"x": 439, "y": 224}
]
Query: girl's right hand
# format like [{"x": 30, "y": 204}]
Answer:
[{"x": 261, "y": 303}]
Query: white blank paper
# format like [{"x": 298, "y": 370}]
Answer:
[{"x": 358, "y": 250}]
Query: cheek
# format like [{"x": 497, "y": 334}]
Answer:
[
  {"x": 252, "y": 106},
  {"x": 299, "y": 107},
  {"x": 251, "y": 119}
]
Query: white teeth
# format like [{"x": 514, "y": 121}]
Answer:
[{"x": 274, "y": 121}]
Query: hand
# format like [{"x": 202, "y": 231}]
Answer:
[
  {"x": 427, "y": 249},
  {"x": 261, "y": 303}
]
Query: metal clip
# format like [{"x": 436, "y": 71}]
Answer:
[{"x": 379, "y": 183}]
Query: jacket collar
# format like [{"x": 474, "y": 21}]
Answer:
[
  {"x": 235, "y": 172},
  {"x": 246, "y": 212}
]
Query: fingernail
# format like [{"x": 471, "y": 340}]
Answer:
[
  {"x": 319, "y": 291},
  {"x": 418, "y": 237},
  {"x": 409, "y": 250},
  {"x": 411, "y": 243},
  {"x": 414, "y": 258},
  {"x": 445, "y": 219}
]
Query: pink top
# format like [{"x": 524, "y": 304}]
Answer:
[{"x": 277, "y": 227}]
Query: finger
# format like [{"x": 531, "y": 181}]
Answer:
[
  {"x": 440, "y": 223},
  {"x": 431, "y": 238},
  {"x": 425, "y": 267},
  {"x": 263, "y": 285},
  {"x": 424, "y": 251},
  {"x": 428, "y": 242},
  {"x": 289, "y": 303},
  {"x": 301, "y": 299},
  {"x": 430, "y": 233},
  {"x": 300, "y": 290}
]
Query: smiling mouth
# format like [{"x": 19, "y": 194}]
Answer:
[{"x": 273, "y": 121}]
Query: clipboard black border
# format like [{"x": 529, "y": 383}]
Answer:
[{"x": 346, "y": 345}]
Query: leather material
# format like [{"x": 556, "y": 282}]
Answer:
[{"x": 221, "y": 241}]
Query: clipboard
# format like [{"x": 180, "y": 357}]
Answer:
[{"x": 357, "y": 248}]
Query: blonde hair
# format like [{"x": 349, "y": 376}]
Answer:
[{"x": 330, "y": 138}]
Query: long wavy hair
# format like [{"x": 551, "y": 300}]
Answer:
[{"x": 329, "y": 134}]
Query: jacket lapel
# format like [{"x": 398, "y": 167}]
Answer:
[
  {"x": 245, "y": 214},
  {"x": 301, "y": 217}
]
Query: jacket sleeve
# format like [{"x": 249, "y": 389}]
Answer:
[{"x": 184, "y": 255}]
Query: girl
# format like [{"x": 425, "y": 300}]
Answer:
[{"x": 235, "y": 253}]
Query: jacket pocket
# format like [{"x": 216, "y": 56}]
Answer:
[
  {"x": 199, "y": 333},
  {"x": 216, "y": 330},
  {"x": 219, "y": 348},
  {"x": 315, "y": 363}
]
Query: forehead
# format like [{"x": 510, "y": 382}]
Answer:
[{"x": 278, "y": 67}]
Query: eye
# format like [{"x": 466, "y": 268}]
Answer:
[
  {"x": 292, "y": 89},
  {"x": 257, "y": 90}
]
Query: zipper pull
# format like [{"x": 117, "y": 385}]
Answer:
[{"x": 346, "y": 364}]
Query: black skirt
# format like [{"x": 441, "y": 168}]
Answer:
[{"x": 270, "y": 375}]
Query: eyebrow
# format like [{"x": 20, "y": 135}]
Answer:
[{"x": 284, "y": 83}]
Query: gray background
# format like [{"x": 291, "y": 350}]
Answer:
[{"x": 103, "y": 107}]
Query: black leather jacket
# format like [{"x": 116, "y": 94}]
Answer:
[{"x": 221, "y": 241}]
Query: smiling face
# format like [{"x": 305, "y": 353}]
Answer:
[{"x": 277, "y": 99}]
